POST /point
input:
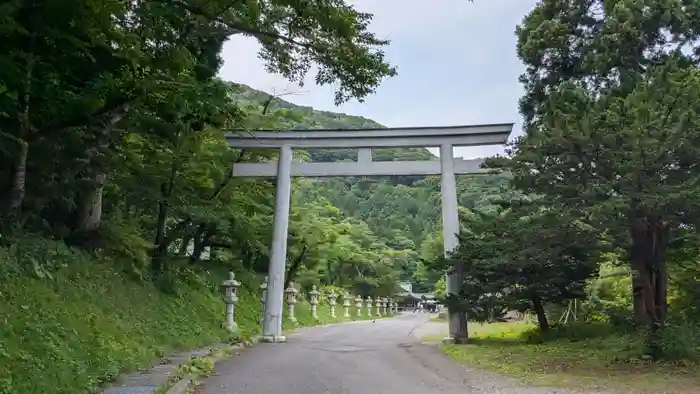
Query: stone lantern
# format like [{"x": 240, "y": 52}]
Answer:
[
  {"x": 358, "y": 305},
  {"x": 263, "y": 299},
  {"x": 347, "y": 298},
  {"x": 332, "y": 298},
  {"x": 230, "y": 287},
  {"x": 378, "y": 304},
  {"x": 391, "y": 306},
  {"x": 313, "y": 300},
  {"x": 385, "y": 302},
  {"x": 291, "y": 293},
  {"x": 369, "y": 306}
]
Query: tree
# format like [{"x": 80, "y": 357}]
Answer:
[
  {"x": 427, "y": 276},
  {"x": 600, "y": 46},
  {"x": 116, "y": 57},
  {"x": 627, "y": 164},
  {"x": 608, "y": 50},
  {"x": 313, "y": 234},
  {"x": 523, "y": 257}
]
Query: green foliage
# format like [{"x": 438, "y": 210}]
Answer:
[
  {"x": 609, "y": 296},
  {"x": 641, "y": 203},
  {"x": 91, "y": 322},
  {"x": 38, "y": 257},
  {"x": 611, "y": 137},
  {"x": 567, "y": 332},
  {"x": 198, "y": 366},
  {"x": 325, "y": 291},
  {"x": 520, "y": 258}
]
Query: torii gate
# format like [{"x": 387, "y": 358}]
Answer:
[{"x": 364, "y": 140}]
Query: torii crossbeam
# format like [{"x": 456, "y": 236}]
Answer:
[{"x": 364, "y": 140}]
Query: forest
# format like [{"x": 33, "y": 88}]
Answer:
[{"x": 119, "y": 211}]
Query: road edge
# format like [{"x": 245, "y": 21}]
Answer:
[{"x": 181, "y": 385}]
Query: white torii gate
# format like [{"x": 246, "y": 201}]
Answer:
[{"x": 364, "y": 140}]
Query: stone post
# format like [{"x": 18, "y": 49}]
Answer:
[
  {"x": 385, "y": 301},
  {"x": 263, "y": 297},
  {"x": 369, "y": 306},
  {"x": 358, "y": 305},
  {"x": 313, "y": 300},
  {"x": 291, "y": 292},
  {"x": 378, "y": 304},
  {"x": 332, "y": 298},
  {"x": 346, "y": 305},
  {"x": 230, "y": 287}
]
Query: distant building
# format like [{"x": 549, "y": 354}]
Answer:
[{"x": 408, "y": 298}]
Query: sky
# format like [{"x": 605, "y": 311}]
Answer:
[{"x": 456, "y": 62}]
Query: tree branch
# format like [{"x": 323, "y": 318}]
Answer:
[{"x": 198, "y": 11}]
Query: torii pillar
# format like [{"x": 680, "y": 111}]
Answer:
[
  {"x": 458, "y": 329},
  {"x": 274, "y": 304}
]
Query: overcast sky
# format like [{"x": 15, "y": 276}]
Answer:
[{"x": 457, "y": 65}]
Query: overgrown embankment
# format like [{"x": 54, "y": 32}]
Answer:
[{"x": 77, "y": 325}]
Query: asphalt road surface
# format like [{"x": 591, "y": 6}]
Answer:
[{"x": 383, "y": 357}]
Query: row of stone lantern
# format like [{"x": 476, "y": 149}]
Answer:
[{"x": 383, "y": 305}]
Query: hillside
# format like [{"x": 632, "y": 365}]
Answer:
[{"x": 403, "y": 211}]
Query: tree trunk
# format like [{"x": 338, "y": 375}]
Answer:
[
  {"x": 160, "y": 249},
  {"x": 162, "y": 241},
  {"x": 17, "y": 190},
  {"x": 18, "y": 182},
  {"x": 542, "y": 321},
  {"x": 649, "y": 238},
  {"x": 329, "y": 273},
  {"x": 294, "y": 267},
  {"x": 640, "y": 316},
  {"x": 202, "y": 238},
  {"x": 185, "y": 242},
  {"x": 90, "y": 207}
]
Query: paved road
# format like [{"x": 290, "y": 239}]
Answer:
[{"x": 383, "y": 357}]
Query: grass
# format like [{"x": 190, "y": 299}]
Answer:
[
  {"x": 77, "y": 329},
  {"x": 91, "y": 322},
  {"x": 439, "y": 318},
  {"x": 606, "y": 360}
]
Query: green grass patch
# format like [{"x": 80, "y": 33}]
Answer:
[
  {"x": 584, "y": 356},
  {"x": 90, "y": 322}
]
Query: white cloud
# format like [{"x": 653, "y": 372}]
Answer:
[{"x": 456, "y": 60}]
